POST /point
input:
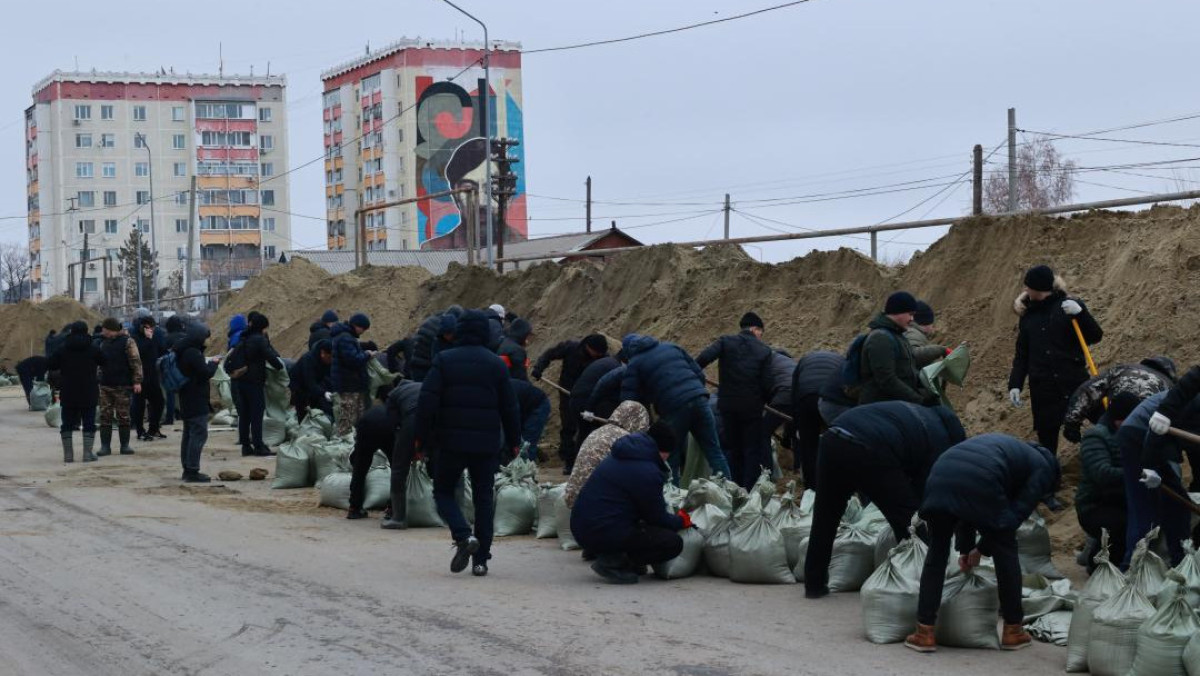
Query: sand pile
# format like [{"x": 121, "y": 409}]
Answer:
[{"x": 26, "y": 325}]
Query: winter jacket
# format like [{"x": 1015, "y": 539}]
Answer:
[
  {"x": 317, "y": 331},
  {"x": 176, "y": 330},
  {"x": 402, "y": 404},
  {"x": 744, "y": 371},
  {"x": 1156, "y": 450},
  {"x": 624, "y": 491},
  {"x": 992, "y": 481},
  {"x": 348, "y": 372},
  {"x": 148, "y": 353},
  {"x": 606, "y": 395},
  {"x": 396, "y": 356},
  {"x": 495, "y": 330},
  {"x": 422, "y": 351},
  {"x": 53, "y": 341},
  {"x": 258, "y": 353},
  {"x": 237, "y": 324},
  {"x": 1102, "y": 479},
  {"x": 924, "y": 351},
  {"x": 783, "y": 368},
  {"x": 189, "y": 351},
  {"x": 581, "y": 392},
  {"x": 309, "y": 379},
  {"x": 900, "y": 434},
  {"x": 888, "y": 371},
  {"x": 1047, "y": 346},
  {"x": 813, "y": 373},
  {"x": 512, "y": 349},
  {"x": 1149, "y": 377},
  {"x": 534, "y": 407},
  {"x": 122, "y": 365},
  {"x": 660, "y": 374},
  {"x": 1182, "y": 395},
  {"x": 628, "y": 418},
  {"x": 35, "y": 367},
  {"x": 467, "y": 402},
  {"x": 575, "y": 359},
  {"x": 78, "y": 359}
]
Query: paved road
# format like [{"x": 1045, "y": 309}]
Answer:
[{"x": 112, "y": 568}]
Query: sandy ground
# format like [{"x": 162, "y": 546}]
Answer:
[{"x": 114, "y": 568}]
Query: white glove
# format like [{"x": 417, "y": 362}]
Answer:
[
  {"x": 1071, "y": 307},
  {"x": 1014, "y": 396},
  {"x": 1150, "y": 479},
  {"x": 1159, "y": 423},
  {"x": 328, "y": 396},
  {"x": 587, "y": 415}
]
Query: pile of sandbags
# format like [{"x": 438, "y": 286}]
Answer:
[
  {"x": 516, "y": 498},
  {"x": 1162, "y": 640},
  {"x": 853, "y": 557},
  {"x": 330, "y": 455},
  {"x": 1113, "y": 639},
  {"x": 1105, "y": 581},
  {"x": 889, "y": 596},
  {"x": 7, "y": 381}
]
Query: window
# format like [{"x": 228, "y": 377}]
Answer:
[
  {"x": 223, "y": 138},
  {"x": 143, "y": 196},
  {"x": 143, "y": 224},
  {"x": 106, "y": 112},
  {"x": 177, "y": 113},
  {"x": 108, "y": 169},
  {"x": 268, "y": 169},
  {"x": 89, "y": 285},
  {"x": 221, "y": 111},
  {"x": 181, "y": 198},
  {"x": 110, "y": 198},
  {"x": 87, "y": 226},
  {"x": 181, "y": 253},
  {"x": 269, "y": 251},
  {"x": 268, "y": 224},
  {"x": 381, "y": 219},
  {"x": 110, "y": 228},
  {"x": 139, "y": 141},
  {"x": 401, "y": 139},
  {"x": 111, "y": 254},
  {"x": 83, "y": 140},
  {"x": 181, "y": 225},
  {"x": 85, "y": 198},
  {"x": 266, "y": 142},
  {"x": 268, "y": 198},
  {"x": 139, "y": 113},
  {"x": 141, "y": 169},
  {"x": 83, "y": 112},
  {"x": 84, "y": 170},
  {"x": 108, "y": 140},
  {"x": 179, "y": 142},
  {"x": 264, "y": 114},
  {"x": 180, "y": 169}
]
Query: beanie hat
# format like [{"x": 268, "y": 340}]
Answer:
[
  {"x": 662, "y": 435},
  {"x": 597, "y": 342},
  {"x": 924, "y": 314},
  {"x": 329, "y": 317},
  {"x": 111, "y": 324},
  {"x": 360, "y": 320},
  {"x": 1040, "y": 278},
  {"x": 77, "y": 328},
  {"x": 257, "y": 321},
  {"x": 498, "y": 309},
  {"x": 750, "y": 320},
  {"x": 1120, "y": 406},
  {"x": 899, "y": 303}
]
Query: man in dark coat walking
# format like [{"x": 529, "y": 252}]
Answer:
[
  {"x": 258, "y": 354},
  {"x": 469, "y": 412},
  {"x": 575, "y": 355},
  {"x": 78, "y": 359},
  {"x": 193, "y": 398}
]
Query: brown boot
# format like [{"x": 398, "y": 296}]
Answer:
[
  {"x": 1014, "y": 637},
  {"x": 922, "y": 640}
]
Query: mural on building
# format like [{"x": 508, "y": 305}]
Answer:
[{"x": 451, "y": 149}]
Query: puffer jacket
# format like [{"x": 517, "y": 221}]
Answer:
[
  {"x": 495, "y": 329},
  {"x": 924, "y": 351},
  {"x": 660, "y": 374},
  {"x": 534, "y": 407},
  {"x": 148, "y": 353},
  {"x": 1149, "y": 377},
  {"x": 1157, "y": 450},
  {"x": 581, "y": 392},
  {"x": 78, "y": 359},
  {"x": 259, "y": 353},
  {"x": 744, "y": 370},
  {"x": 1048, "y": 349},
  {"x": 992, "y": 481},
  {"x": 402, "y": 405},
  {"x": 317, "y": 332},
  {"x": 606, "y": 395},
  {"x": 904, "y": 435},
  {"x": 189, "y": 350},
  {"x": 348, "y": 372},
  {"x": 575, "y": 359},
  {"x": 813, "y": 373},
  {"x": 422, "y": 351},
  {"x": 1102, "y": 479},
  {"x": 783, "y": 368},
  {"x": 512, "y": 349},
  {"x": 888, "y": 371},
  {"x": 628, "y": 418}
]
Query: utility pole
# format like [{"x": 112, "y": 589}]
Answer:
[
  {"x": 153, "y": 243},
  {"x": 140, "y": 291},
  {"x": 977, "y": 196},
  {"x": 1012, "y": 159},
  {"x": 83, "y": 257},
  {"x": 726, "y": 215},
  {"x": 505, "y": 187},
  {"x": 191, "y": 239},
  {"x": 589, "y": 203},
  {"x": 471, "y": 220}
]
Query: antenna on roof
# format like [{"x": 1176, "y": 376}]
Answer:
[
  {"x": 368, "y": 48},
  {"x": 220, "y": 60},
  {"x": 76, "y": 63}
]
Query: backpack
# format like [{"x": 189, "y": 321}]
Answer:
[
  {"x": 852, "y": 380},
  {"x": 169, "y": 375},
  {"x": 235, "y": 361}
]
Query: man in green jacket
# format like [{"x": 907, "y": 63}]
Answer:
[
  {"x": 919, "y": 335},
  {"x": 888, "y": 371},
  {"x": 1100, "y": 497}
]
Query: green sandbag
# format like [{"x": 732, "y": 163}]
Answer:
[
  {"x": 316, "y": 423},
  {"x": 889, "y": 596},
  {"x": 695, "y": 464},
  {"x": 566, "y": 540},
  {"x": 41, "y": 396},
  {"x": 277, "y": 393},
  {"x": 952, "y": 369},
  {"x": 221, "y": 381},
  {"x": 294, "y": 463},
  {"x": 757, "y": 554},
  {"x": 1191, "y": 656},
  {"x": 1114, "y": 633},
  {"x": 967, "y": 617},
  {"x": 331, "y": 456},
  {"x": 1163, "y": 638},
  {"x": 1033, "y": 548},
  {"x": 274, "y": 431},
  {"x": 1105, "y": 581},
  {"x": 335, "y": 489},
  {"x": 516, "y": 498},
  {"x": 688, "y": 561},
  {"x": 792, "y": 524},
  {"x": 378, "y": 375},
  {"x": 225, "y": 418},
  {"x": 54, "y": 415},
  {"x": 716, "y": 549},
  {"x": 422, "y": 512},
  {"x": 1147, "y": 571},
  {"x": 547, "y": 514}
]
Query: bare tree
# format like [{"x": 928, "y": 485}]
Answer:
[
  {"x": 14, "y": 271},
  {"x": 1044, "y": 179}
]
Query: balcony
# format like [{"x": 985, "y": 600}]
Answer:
[{"x": 230, "y": 237}]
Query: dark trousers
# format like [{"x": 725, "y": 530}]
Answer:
[
  {"x": 191, "y": 444},
  {"x": 1146, "y": 508},
  {"x": 172, "y": 399},
  {"x": 235, "y": 392},
  {"x": 649, "y": 545},
  {"x": 402, "y": 456},
  {"x": 1110, "y": 517},
  {"x": 843, "y": 467},
  {"x": 481, "y": 468},
  {"x": 74, "y": 415},
  {"x": 1049, "y": 399},
  {"x": 748, "y": 451},
  {"x": 808, "y": 424},
  {"x": 567, "y": 450},
  {"x": 147, "y": 404},
  {"x": 367, "y": 440},
  {"x": 250, "y": 415},
  {"x": 1000, "y": 545}
]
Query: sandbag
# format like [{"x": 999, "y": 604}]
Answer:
[
  {"x": 335, "y": 489},
  {"x": 716, "y": 549},
  {"x": 379, "y": 376},
  {"x": 967, "y": 617},
  {"x": 756, "y": 551},
  {"x": 1053, "y": 627},
  {"x": 695, "y": 463},
  {"x": 889, "y": 596},
  {"x": 566, "y": 541},
  {"x": 793, "y": 526},
  {"x": 688, "y": 561},
  {"x": 1105, "y": 581},
  {"x": 465, "y": 498},
  {"x": 885, "y": 540},
  {"x": 316, "y": 423},
  {"x": 852, "y": 560},
  {"x": 1113, "y": 638},
  {"x": 278, "y": 394},
  {"x": 274, "y": 431},
  {"x": 1147, "y": 571},
  {"x": 516, "y": 498},
  {"x": 41, "y": 396},
  {"x": 1033, "y": 548},
  {"x": 294, "y": 463},
  {"x": 547, "y": 520},
  {"x": 224, "y": 386},
  {"x": 421, "y": 510},
  {"x": 225, "y": 418},
  {"x": 331, "y": 456},
  {"x": 872, "y": 519},
  {"x": 54, "y": 415},
  {"x": 1191, "y": 656},
  {"x": 707, "y": 492},
  {"x": 1189, "y": 572},
  {"x": 1163, "y": 638},
  {"x": 707, "y": 517},
  {"x": 673, "y": 496},
  {"x": 1043, "y": 597}
]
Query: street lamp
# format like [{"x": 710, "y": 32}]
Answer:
[
  {"x": 153, "y": 243},
  {"x": 487, "y": 132}
]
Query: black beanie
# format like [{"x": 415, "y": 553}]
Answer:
[
  {"x": 751, "y": 320},
  {"x": 1122, "y": 405},
  {"x": 899, "y": 303},
  {"x": 597, "y": 342},
  {"x": 662, "y": 435},
  {"x": 1040, "y": 278},
  {"x": 924, "y": 314}
]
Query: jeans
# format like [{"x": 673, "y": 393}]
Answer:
[
  {"x": 402, "y": 456},
  {"x": 805, "y": 448},
  {"x": 147, "y": 405},
  {"x": 1146, "y": 508},
  {"x": 481, "y": 468},
  {"x": 697, "y": 418},
  {"x": 171, "y": 399},
  {"x": 748, "y": 451},
  {"x": 250, "y": 416},
  {"x": 1000, "y": 545},
  {"x": 73, "y": 415},
  {"x": 191, "y": 444},
  {"x": 567, "y": 448}
]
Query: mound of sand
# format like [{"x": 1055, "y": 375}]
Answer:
[{"x": 26, "y": 325}]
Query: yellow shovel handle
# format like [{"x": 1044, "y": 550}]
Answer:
[{"x": 1087, "y": 354}]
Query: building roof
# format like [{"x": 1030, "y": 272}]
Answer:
[
  {"x": 415, "y": 43},
  {"x": 578, "y": 241},
  {"x": 166, "y": 78}
]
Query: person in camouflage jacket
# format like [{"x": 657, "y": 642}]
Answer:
[
  {"x": 1150, "y": 376},
  {"x": 628, "y": 418}
]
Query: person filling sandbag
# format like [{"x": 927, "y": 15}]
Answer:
[
  {"x": 620, "y": 515},
  {"x": 387, "y": 428},
  {"x": 628, "y": 418},
  {"x": 1100, "y": 497},
  {"x": 884, "y": 451},
  {"x": 990, "y": 483},
  {"x": 1153, "y": 460}
]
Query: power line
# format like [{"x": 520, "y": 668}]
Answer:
[{"x": 1111, "y": 140}]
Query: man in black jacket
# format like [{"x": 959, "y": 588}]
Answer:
[
  {"x": 812, "y": 372},
  {"x": 425, "y": 342},
  {"x": 31, "y": 369},
  {"x": 309, "y": 380},
  {"x": 581, "y": 394},
  {"x": 258, "y": 354},
  {"x": 120, "y": 375},
  {"x": 319, "y": 331},
  {"x": 77, "y": 359},
  {"x": 512, "y": 348},
  {"x": 402, "y": 415},
  {"x": 348, "y": 371},
  {"x": 534, "y": 406},
  {"x": 1048, "y": 350},
  {"x": 883, "y": 451},
  {"x": 469, "y": 412},
  {"x": 374, "y": 432},
  {"x": 175, "y": 333},
  {"x": 148, "y": 404},
  {"x": 575, "y": 355},
  {"x": 746, "y": 380},
  {"x": 193, "y": 398}
]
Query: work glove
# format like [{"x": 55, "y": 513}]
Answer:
[
  {"x": 1159, "y": 423},
  {"x": 329, "y": 396},
  {"x": 1071, "y": 433},
  {"x": 1014, "y": 396},
  {"x": 1071, "y": 307},
  {"x": 968, "y": 561},
  {"x": 1150, "y": 479},
  {"x": 687, "y": 519},
  {"x": 587, "y": 416}
]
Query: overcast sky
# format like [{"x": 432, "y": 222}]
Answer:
[{"x": 792, "y": 106}]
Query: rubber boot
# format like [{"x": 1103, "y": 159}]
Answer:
[
  {"x": 1014, "y": 637},
  {"x": 922, "y": 639},
  {"x": 123, "y": 432},
  {"x": 68, "y": 440},
  {"x": 88, "y": 441},
  {"x": 399, "y": 518},
  {"x": 105, "y": 440}
]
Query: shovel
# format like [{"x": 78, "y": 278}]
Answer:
[
  {"x": 769, "y": 409},
  {"x": 1182, "y": 499},
  {"x": 556, "y": 386},
  {"x": 1087, "y": 354}
]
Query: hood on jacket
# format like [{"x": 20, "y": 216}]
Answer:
[
  {"x": 472, "y": 329},
  {"x": 77, "y": 340},
  {"x": 449, "y": 323},
  {"x": 257, "y": 322},
  {"x": 1021, "y": 304},
  {"x": 631, "y": 416},
  {"x": 635, "y": 344},
  {"x": 317, "y": 326},
  {"x": 1164, "y": 365},
  {"x": 638, "y": 446},
  {"x": 519, "y": 330},
  {"x": 882, "y": 321},
  {"x": 340, "y": 328},
  {"x": 456, "y": 310},
  {"x": 322, "y": 344},
  {"x": 237, "y": 324},
  {"x": 174, "y": 324},
  {"x": 195, "y": 336}
]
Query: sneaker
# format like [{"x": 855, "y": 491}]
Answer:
[
  {"x": 615, "y": 569},
  {"x": 388, "y": 523},
  {"x": 922, "y": 640},
  {"x": 463, "y": 549},
  {"x": 263, "y": 452},
  {"x": 195, "y": 478},
  {"x": 1014, "y": 637},
  {"x": 356, "y": 514},
  {"x": 479, "y": 569}
]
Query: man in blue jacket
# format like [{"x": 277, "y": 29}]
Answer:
[
  {"x": 535, "y": 411},
  {"x": 987, "y": 484},
  {"x": 1151, "y": 459},
  {"x": 620, "y": 514},
  {"x": 468, "y": 411},
  {"x": 348, "y": 372}
]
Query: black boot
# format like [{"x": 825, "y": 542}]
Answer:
[
  {"x": 123, "y": 434},
  {"x": 105, "y": 440},
  {"x": 68, "y": 440},
  {"x": 615, "y": 568},
  {"x": 398, "y": 520},
  {"x": 89, "y": 439},
  {"x": 247, "y": 450}
]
